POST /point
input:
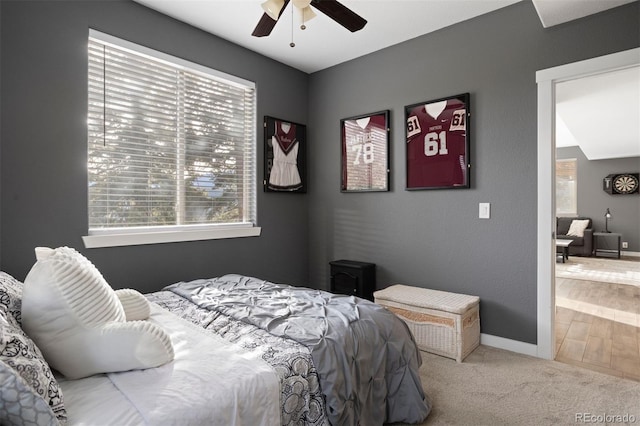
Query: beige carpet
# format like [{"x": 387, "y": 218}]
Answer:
[
  {"x": 601, "y": 269},
  {"x": 497, "y": 387}
]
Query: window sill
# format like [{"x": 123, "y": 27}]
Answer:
[{"x": 173, "y": 236}]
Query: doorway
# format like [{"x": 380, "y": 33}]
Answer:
[{"x": 546, "y": 250}]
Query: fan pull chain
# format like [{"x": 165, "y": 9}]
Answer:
[{"x": 292, "y": 44}]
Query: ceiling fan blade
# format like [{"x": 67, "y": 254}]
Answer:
[
  {"x": 341, "y": 14},
  {"x": 264, "y": 27},
  {"x": 266, "y": 23}
]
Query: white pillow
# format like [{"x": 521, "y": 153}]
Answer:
[
  {"x": 78, "y": 321},
  {"x": 577, "y": 227},
  {"x": 136, "y": 306}
]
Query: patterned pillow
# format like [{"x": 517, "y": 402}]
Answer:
[
  {"x": 11, "y": 296},
  {"x": 28, "y": 390}
]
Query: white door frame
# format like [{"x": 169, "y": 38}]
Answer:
[{"x": 547, "y": 80}]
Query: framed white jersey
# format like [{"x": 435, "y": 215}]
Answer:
[
  {"x": 437, "y": 136},
  {"x": 285, "y": 156},
  {"x": 365, "y": 152}
]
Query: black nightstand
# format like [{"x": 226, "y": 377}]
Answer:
[{"x": 353, "y": 278}]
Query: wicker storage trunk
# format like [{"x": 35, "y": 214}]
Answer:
[{"x": 442, "y": 323}]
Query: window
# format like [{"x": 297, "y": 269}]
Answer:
[
  {"x": 171, "y": 148},
  {"x": 566, "y": 187}
]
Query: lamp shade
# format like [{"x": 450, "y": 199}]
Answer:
[
  {"x": 607, "y": 216},
  {"x": 273, "y": 8}
]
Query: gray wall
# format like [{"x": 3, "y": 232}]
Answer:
[
  {"x": 593, "y": 201},
  {"x": 434, "y": 238},
  {"x": 44, "y": 144}
]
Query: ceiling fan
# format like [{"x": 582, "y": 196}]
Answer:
[{"x": 332, "y": 8}]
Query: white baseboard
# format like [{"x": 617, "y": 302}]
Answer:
[
  {"x": 630, "y": 253},
  {"x": 509, "y": 345}
]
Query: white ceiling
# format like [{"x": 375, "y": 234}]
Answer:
[
  {"x": 325, "y": 43},
  {"x": 581, "y": 103},
  {"x": 554, "y": 12},
  {"x": 601, "y": 114}
]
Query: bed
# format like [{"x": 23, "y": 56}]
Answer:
[{"x": 245, "y": 352}]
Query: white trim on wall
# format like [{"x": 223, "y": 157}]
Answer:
[
  {"x": 547, "y": 80},
  {"x": 546, "y": 222},
  {"x": 168, "y": 236},
  {"x": 508, "y": 344}
]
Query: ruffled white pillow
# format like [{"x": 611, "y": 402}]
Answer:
[{"x": 79, "y": 323}]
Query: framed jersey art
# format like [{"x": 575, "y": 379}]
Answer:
[
  {"x": 284, "y": 156},
  {"x": 437, "y": 137},
  {"x": 365, "y": 152}
]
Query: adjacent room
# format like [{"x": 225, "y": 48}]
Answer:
[
  {"x": 598, "y": 285},
  {"x": 319, "y": 212}
]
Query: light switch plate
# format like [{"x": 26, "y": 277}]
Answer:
[{"x": 484, "y": 210}]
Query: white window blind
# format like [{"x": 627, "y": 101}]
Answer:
[{"x": 171, "y": 144}]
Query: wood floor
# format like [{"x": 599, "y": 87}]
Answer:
[{"x": 598, "y": 323}]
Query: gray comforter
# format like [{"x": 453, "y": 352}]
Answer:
[{"x": 365, "y": 356}]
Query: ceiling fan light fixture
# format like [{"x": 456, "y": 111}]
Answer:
[
  {"x": 308, "y": 14},
  {"x": 273, "y": 8},
  {"x": 331, "y": 8},
  {"x": 301, "y": 4}
]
